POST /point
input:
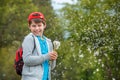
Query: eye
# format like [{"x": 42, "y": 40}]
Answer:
[
  {"x": 39, "y": 25},
  {"x": 33, "y": 25}
]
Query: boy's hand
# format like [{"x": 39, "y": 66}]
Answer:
[{"x": 53, "y": 55}]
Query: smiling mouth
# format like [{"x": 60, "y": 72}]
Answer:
[{"x": 38, "y": 31}]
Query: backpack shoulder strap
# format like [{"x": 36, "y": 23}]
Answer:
[{"x": 34, "y": 44}]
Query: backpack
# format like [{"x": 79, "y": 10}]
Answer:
[{"x": 18, "y": 65}]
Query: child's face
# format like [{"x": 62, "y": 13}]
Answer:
[{"x": 37, "y": 28}]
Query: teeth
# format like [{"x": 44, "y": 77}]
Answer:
[{"x": 56, "y": 44}]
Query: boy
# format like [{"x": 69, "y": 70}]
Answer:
[{"x": 38, "y": 55}]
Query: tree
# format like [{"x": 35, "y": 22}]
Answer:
[
  {"x": 93, "y": 49},
  {"x": 14, "y": 20}
]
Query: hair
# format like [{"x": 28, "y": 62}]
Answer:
[{"x": 37, "y": 20}]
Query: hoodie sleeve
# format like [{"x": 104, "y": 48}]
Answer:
[{"x": 28, "y": 57}]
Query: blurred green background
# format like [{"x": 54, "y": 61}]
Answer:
[{"x": 89, "y": 32}]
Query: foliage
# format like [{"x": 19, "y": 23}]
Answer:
[
  {"x": 13, "y": 20},
  {"x": 7, "y": 61},
  {"x": 94, "y": 31}
]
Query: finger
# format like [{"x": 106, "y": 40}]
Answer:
[{"x": 54, "y": 56}]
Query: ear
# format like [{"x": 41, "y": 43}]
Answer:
[
  {"x": 45, "y": 26},
  {"x": 29, "y": 26}
]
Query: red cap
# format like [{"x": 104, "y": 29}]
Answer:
[{"x": 34, "y": 15}]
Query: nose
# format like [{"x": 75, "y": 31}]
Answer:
[{"x": 37, "y": 27}]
